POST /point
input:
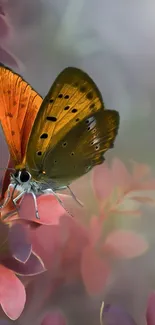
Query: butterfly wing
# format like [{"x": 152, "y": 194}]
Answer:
[
  {"x": 71, "y": 124},
  {"x": 19, "y": 104},
  {"x": 82, "y": 148}
]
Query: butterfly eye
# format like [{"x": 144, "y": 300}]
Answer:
[{"x": 24, "y": 176}]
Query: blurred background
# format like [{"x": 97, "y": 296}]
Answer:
[{"x": 114, "y": 42}]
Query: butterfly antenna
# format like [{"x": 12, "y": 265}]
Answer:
[
  {"x": 101, "y": 313},
  {"x": 5, "y": 168},
  {"x": 74, "y": 197}
]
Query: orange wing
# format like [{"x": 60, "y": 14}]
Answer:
[{"x": 19, "y": 105}]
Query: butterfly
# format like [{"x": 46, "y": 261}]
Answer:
[{"x": 55, "y": 140}]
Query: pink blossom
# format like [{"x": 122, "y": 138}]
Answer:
[
  {"x": 12, "y": 293},
  {"x": 121, "y": 191}
]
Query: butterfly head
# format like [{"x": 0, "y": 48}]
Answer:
[{"x": 21, "y": 177}]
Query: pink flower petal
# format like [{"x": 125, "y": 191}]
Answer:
[
  {"x": 140, "y": 170},
  {"x": 12, "y": 293},
  {"x": 47, "y": 241},
  {"x": 95, "y": 271},
  {"x": 33, "y": 266},
  {"x": 102, "y": 181},
  {"x": 128, "y": 204},
  {"x": 54, "y": 318},
  {"x": 8, "y": 58},
  {"x": 125, "y": 244},
  {"x": 19, "y": 242},
  {"x": 144, "y": 196},
  {"x": 49, "y": 209},
  {"x": 95, "y": 229},
  {"x": 120, "y": 174},
  {"x": 150, "y": 314}
]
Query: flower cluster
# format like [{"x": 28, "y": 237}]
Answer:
[{"x": 72, "y": 249}]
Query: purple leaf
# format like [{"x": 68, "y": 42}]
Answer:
[
  {"x": 115, "y": 315},
  {"x": 20, "y": 245},
  {"x": 33, "y": 266}
]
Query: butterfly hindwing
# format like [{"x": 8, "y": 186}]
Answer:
[
  {"x": 82, "y": 148},
  {"x": 19, "y": 104}
]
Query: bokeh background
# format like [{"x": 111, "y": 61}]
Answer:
[{"x": 114, "y": 42}]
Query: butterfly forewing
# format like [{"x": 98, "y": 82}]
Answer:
[
  {"x": 72, "y": 98},
  {"x": 72, "y": 130},
  {"x": 19, "y": 104}
]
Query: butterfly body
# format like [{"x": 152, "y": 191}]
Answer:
[{"x": 59, "y": 138}]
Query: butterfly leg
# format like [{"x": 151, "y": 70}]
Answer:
[
  {"x": 74, "y": 197},
  {"x": 35, "y": 204},
  {"x": 50, "y": 191},
  {"x": 18, "y": 197},
  {"x": 7, "y": 197}
]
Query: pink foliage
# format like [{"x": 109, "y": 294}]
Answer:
[{"x": 121, "y": 191}]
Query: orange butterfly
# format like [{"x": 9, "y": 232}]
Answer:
[{"x": 58, "y": 139}]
